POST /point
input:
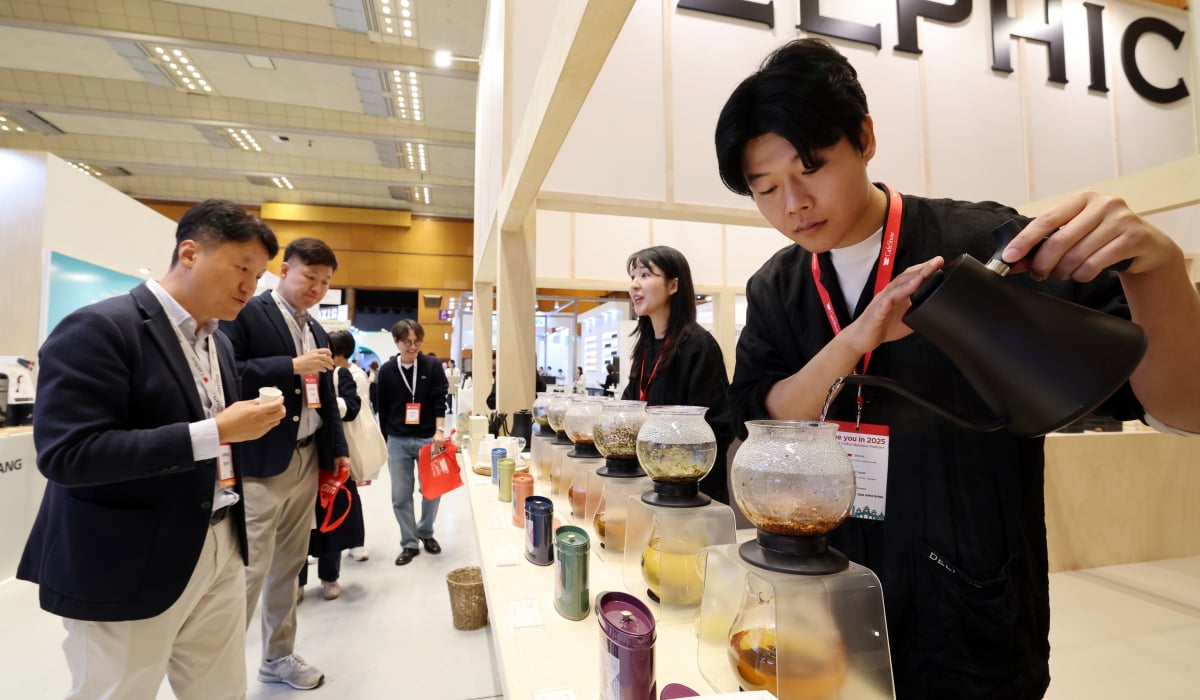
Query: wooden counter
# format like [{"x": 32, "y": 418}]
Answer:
[{"x": 1118, "y": 498}]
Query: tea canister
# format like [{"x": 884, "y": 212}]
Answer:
[
  {"x": 505, "y": 466},
  {"x": 522, "y": 488},
  {"x": 498, "y": 453},
  {"x": 627, "y": 634},
  {"x": 571, "y": 596},
  {"x": 539, "y": 525}
]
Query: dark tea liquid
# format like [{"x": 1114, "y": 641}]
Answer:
[{"x": 814, "y": 673}]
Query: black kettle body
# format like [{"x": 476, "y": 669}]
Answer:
[{"x": 1039, "y": 362}]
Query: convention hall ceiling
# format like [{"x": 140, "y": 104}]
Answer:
[{"x": 307, "y": 101}]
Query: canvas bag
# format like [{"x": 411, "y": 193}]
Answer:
[
  {"x": 439, "y": 472},
  {"x": 368, "y": 449}
]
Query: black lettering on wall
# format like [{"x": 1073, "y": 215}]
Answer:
[
  {"x": 1133, "y": 33},
  {"x": 1095, "y": 32},
  {"x": 907, "y": 12},
  {"x": 737, "y": 9},
  {"x": 812, "y": 21},
  {"x": 1004, "y": 27}
]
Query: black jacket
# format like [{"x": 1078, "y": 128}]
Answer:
[
  {"x": 126, "y": 508},
  {"x": 696, "y": 377},
  {"x": 394, "y": 394},
  {"x": 977, "y": 626},
  {"x": 263, "y": 344}
]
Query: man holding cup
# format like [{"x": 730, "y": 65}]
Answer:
[
  {"x": 140, "y": 540},
  {"x": 279, "y": 345}
]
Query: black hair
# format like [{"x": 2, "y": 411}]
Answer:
[
  {"x": 216, "y": 221},
  {"x": 682, "y": 321},
  {"x": 805, "y": 92},
  {"x": 403, "y": 326},
  {"x": 341, "y": 344},
  {"x": 310, "y": 251}
]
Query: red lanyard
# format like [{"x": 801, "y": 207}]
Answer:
[
  {"x": 883, "y": 274},
  {"x": 643, "y": 382}
]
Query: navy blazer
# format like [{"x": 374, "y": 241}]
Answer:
[
  {"x": 264, "y": 349},
  {"x": 126, "y": 510}
]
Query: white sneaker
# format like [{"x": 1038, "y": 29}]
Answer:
[
  {"x": 359, "y": 553},
  {"x": 291, "y": 669},
  {"x": 330, "y": 590}
]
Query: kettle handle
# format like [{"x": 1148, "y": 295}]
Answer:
[
  {"x": 1004, "y": 235},
  {"x": 898, "y": 388}
]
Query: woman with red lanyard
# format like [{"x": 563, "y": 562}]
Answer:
[{"x": 675, "y": 361}]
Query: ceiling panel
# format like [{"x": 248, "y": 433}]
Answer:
[
  {"x": 321, "y": 147},
  {"x": 450, "y": 161},
  {"x": 294, "y": 82},
  {"x": 318, "y": 12},
  {"x": 52, "y": 52},
  {"x": 129, "y": 128},
  {"x": 451, "y": 25},
  {"x": 449, "y": 103}
]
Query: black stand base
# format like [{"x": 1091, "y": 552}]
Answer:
[
  {"x": 621, "y": 469},
  {"x": 584, "y": 450},
  {"x": 808, "y": 555},
  {"x": 675, "y": 495}
]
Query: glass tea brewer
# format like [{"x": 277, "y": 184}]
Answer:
[
  {"x": 611, "y": 485},
  {"x": 543, "y": 434},
  {"x": 583, "y": 461},
  {"x": 668, "y": 525},
  {"x": 554, "y": 452},
  {"x": 785, "y": 612}
]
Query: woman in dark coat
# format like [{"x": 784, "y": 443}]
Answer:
[
  {"x": 676, "y": 362},
  {"x": 328, "y": 546}
]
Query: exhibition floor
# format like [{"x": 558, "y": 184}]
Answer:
[{"x": 1117, "y": 632}]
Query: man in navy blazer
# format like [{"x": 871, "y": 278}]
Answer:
[
  {"x": 140, "y": 540},
  {"x": 277, "y": 344}
]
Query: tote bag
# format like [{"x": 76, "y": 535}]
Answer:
[{"x": 368, "y": 450}]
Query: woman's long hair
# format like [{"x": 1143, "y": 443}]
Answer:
[{"x": 682, "y": 320}]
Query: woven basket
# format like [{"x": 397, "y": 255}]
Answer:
[{"x": 467, "y": 602}]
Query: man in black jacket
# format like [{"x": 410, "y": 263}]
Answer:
[
  {"x": 959, "y": 542},
  {"x": 412, "y": 409},
  {"x": 278, "y": 344},
  {"x": 140, "y": 540}
]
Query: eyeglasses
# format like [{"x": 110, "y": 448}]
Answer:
[{"x": 415, "y": 343}]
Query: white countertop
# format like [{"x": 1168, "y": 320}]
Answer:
[{"x": 558, "y": 653}]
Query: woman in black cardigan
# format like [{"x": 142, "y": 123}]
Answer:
[{"x": 675, "y": 361}]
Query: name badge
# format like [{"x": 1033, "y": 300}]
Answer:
[
  {"x": 867, "y": 446},
  {"x": 225, "y": 471},
  {"x": 412, "y": 413},
  {"x": 312, "y": 390}
]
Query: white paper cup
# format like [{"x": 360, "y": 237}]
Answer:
[{"x": 267, "y": 394}]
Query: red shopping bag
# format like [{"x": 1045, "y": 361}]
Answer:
[
  {"x": 439, "y": 472},
  {"x": 330, "y": 483}
]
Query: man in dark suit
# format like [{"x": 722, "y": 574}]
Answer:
[
  {"x": 277, "y": 344},
  {"x": 412, "y": 410},
  {"x": 140, "y": 541}
]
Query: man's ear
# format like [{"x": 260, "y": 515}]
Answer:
[
  {"x": 188, "y": 250},
  {"x": 283, "y": 270}
]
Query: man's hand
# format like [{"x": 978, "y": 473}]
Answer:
[
  {"x": 1084, "y": 234},
  {"x": 249, "y": 420},
  {"x": 340, "y": 463},
  {"x": 319, "y": 360},
  {"x": 439, "y": 440},
  {"x": 881, "y": 320}
]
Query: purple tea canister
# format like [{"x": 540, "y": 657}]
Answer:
[{"x": 627, "y": 635}]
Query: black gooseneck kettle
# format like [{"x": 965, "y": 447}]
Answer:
[{"x": 1038, "y": 362}]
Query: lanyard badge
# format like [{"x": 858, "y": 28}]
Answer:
[{"x": 867, "y": 445}]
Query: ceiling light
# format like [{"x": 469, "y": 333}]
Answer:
[
  {"x": 407, "y": 32},
  {"x": 84, "y": 168},
  {"x": 407, "y": 24},
  {"x": 387, "y": 10},
  {"x": 283, "y": 183},
  {"x": 405, "y": 13},
  {"x": 403, "y": 3},
  {"x": 388, "y": 20},
  {"x": 177, "y": 66},
  {"x": 144, "y": 270},
  {"x": 389, "y": 30},
  {"x": 243, "y": 139},
  {"x": 7, "y": 124}
]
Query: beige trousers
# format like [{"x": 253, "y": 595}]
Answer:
[
  {"x": 279, "y": 516},
  {"x": 199, "y": 643}
]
